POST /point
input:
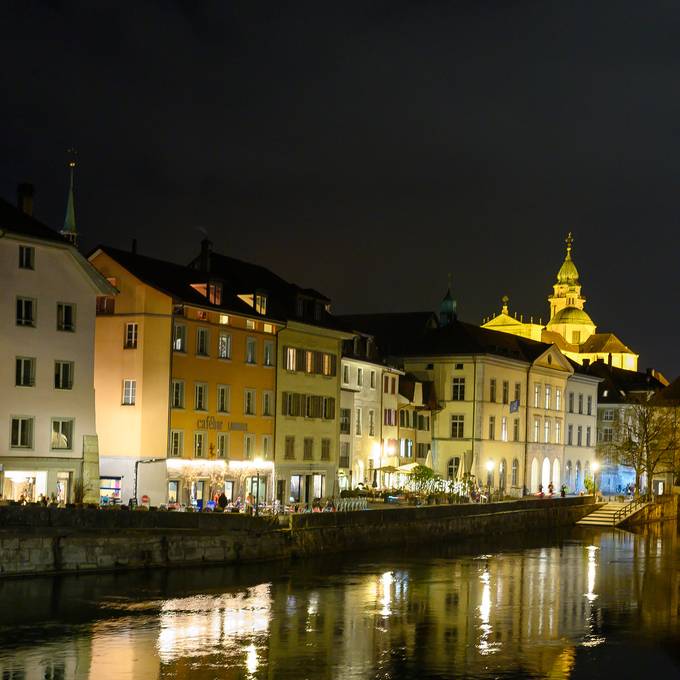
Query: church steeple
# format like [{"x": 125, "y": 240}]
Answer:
[
  {"x": 69, "y": 231},
  {"x": 447, "y": 308}
]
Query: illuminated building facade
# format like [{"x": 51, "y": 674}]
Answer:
[
  {"x": 47, "y": 418},
  {"x": 185, "y": 376},
  {"x": 570, "y": 327}
]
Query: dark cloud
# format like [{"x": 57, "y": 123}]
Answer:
[{"x": 369, "y": 148}]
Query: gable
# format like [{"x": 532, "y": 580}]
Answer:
[{"x": 554, "y": 360}]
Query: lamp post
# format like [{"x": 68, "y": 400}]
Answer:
[
  {"x": 489, "y": 469},
  {"x": 257, "y": 462}
]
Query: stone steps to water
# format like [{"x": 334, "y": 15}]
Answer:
[{"x": 604, "y": 516}]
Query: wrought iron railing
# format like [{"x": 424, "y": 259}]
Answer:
[{"x": 628, "y": 509}]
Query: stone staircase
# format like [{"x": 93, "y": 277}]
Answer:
[{"x": 602, "y": 517}]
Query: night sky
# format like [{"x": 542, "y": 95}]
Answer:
[{"x": 367, "y": 149}]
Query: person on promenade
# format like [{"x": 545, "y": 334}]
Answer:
[
  {"x": 551, "y": 489},
  {"x": 540, "y": 493},
  {"x": 563, "y": 490},
  {"x": 222, "y": 501}
]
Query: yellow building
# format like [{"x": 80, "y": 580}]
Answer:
[
  {"x": 185, "y": 381},
  {"x": 570, "y": 327}
]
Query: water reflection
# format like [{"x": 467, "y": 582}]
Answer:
[{"x": 552, "y": 609}]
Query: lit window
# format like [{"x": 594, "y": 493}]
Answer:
[
  {"x": 199, "y": 444},
  {"x": 62, "y": 434},
  {"x": 179, "y": 342},
  {"x": 224, "y": 346}
]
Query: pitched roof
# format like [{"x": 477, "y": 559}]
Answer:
[
  {"x": 618, "y": 383},
  {"x": 605, "y": 342},
  {"x": 669, "y": 395},
  {"x": 176, "y": 281},
  {"x": 17, "y": 222}
]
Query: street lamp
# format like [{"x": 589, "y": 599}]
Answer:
[
  {"x": 258, "y": 462},
  {"x": 489, "y": 470}
]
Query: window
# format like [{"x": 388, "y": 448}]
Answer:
[
  {"x": 26, "y": 257},
  {"x": 403, "y": 418},
  {"x": 106, "y": 304},
  {"x": 357, "y": 424},
  {"x": 515, "y": 430},
  {"x": 202, "y": 342},
  {"x": 267, "y": 403},
  {"x": 390, "y": 416},
  {"x": 607, "y": 434},
  {"x": 558, "y": 399},
  {"x": 453, "y": 468},
  {"x": 360, "y": 377},
  {"x": 580, "y": 403},
  {"x": 608, "y": 414},
  {"x": 458, "y": 389},
  {"x": 394, "y": 386},
  {"x": 289, "y": 452},
  {"x": 371, "y": 423},
  {"x": 506, "y": 391},
  {"x": 386, "y": 384},
  {"x": 223, "y": 445},
  {"x": 589, "y": 408},
  {"x": 224, "y": 319},
  {"x": 504, "y": 429},
  {"x": 249, "y": 446},
  {"x": 326, "y": 449},
  {"x": 546, "y": 431},
  {"x": 422, "y": 450},
  {"x": 291, "y": 358},
  {"x": 199, "y": 444},
  {"x": 309, "y": 361},
  {"x": 249, "y": 402},
  {"x": 570, "y": 402},
  {"x": 267, "y": 445},
  {"x": 308, "y": 449},
  {"x": 200, "y": 397},
  {"x": 66, "y": 317},
  {"x": 548, "y": 396},
  {"x": 25, "y": 311},
  {"x": 130, "y": 336},
  {"x": 537, "y": 395},
  {"x": 515, "y": 472},
  {"x": 587, "y": 436},
  {"x": 344, "y": 455},
  {"x": 492, "y": 390},
  {"x": 63, "y": 375},
  {"x": 328, "y": 364},
  {"x": 22, "y": 433},
  {"x": 570, "y": 435},
  {"x": 129, "y": 392},
  {"x": 267, "y": 328},
  {"x": 268, "y": 358},
  {"x": 345, "y": 420},
  {"x": 223, "y": 398},
  {"x": 558, "y": 432},
  {"x": 457, "y": 426},
  {"x": 260, "y": 303},
  {"x": 62, "y": 434},
  {"x": 537, "y": 429},
  {"x": 372, "y": 383},
  {"x": 178, "y": 394},
  {"x": 179, "y": 341},
  {"x": 518, "y": 391},
  {"x": 224, "y": 346},
  {"x": 251, "y": 351},
  {"x": 579, "y": 436},
  {"x": 492, "y": 427},
  {"x": 176, "y": 443},
  {"x": 458, "y": 367},
  {"x": 345, "y": 374},
  {"x": 25, "y": 372}
]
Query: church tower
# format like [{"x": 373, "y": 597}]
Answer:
[
  {"x": 69, "y": 231},
  {"x": 447, "y": 308},
  {"x": 567, "y": 289}
]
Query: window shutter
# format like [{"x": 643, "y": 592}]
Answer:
[
  {"x": 299, "y": 360},
  {"x": 334, "y": 364}
]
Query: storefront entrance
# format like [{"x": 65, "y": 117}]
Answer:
[{"x": 24, "y": 485}]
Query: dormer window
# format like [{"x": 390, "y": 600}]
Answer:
[
  {"x": 261, "y": 303},
  {"x": 318, "y": 308},
  {"x": 299, "y": 307},
  {"x": 211, "y": 291}
]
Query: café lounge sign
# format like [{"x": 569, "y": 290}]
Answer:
[{"x": 209, "y": 423}]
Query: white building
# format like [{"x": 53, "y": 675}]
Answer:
[{"x": 48, "y": 436}]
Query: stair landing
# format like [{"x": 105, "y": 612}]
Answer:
[{"x": 602, "y": 517}]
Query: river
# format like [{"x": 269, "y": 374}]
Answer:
[{"x": 584, "y": 604}]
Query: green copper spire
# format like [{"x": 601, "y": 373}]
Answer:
[{"x": 69, "y": 230}]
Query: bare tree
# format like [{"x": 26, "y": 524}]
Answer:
[{"x": 646, "y": 439}]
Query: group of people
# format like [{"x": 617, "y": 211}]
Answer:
[{"x": 551, "y": 490}]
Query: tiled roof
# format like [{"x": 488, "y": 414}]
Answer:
[
  {"x": 605, "y": 342},
  {"x": 618, "y": 383},
  {"x": 17, "y": 222}
]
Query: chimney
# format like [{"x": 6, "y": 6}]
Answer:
[
  {"x": 25, "y": 198},
  {"x": 609, "y": 359},
  {"x": 206, "y": 251},
  {"x": 133, "y": 250},
  {"x": 586, "y": 363}
]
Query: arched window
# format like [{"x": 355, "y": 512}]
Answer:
[
  {"x": 579, "y": 480},
  {"x": 515, "y": 472},
  {"x": 502, "y": 474},
  {"x": 453, "y": 467},
  {"x": 567, "y": 474}
]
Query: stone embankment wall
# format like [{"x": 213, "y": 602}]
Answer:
[
  {"x": 39, "y": 541},
  {"x": 663, "y": 508}
]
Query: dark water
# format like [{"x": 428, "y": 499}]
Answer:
[{"x": 588, "y": 604}]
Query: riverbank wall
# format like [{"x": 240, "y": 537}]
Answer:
[
  {"x": 41, "y": 541},
  {"x": 663, "y": 508}
]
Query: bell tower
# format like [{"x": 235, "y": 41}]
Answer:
[{"x": 567, "y": 289}]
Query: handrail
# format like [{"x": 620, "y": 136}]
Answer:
[{"x": 628, "y": 509}]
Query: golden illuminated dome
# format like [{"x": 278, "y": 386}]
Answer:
[
  {"x": 568, "y": 273},
  {"x": 571, "y": 315}
]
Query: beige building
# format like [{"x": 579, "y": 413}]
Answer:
[{"x": 569, "y": 325}]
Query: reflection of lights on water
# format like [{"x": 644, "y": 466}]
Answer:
[
  {"x": 484, "y": 646},
  {"x": 592, "y": 570},
  {"x": 593, "y": 641},
  {"x": 313, "y": 605},
  {"x": 251, "y": 659},
  {"x": 386, "y": 581}
]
